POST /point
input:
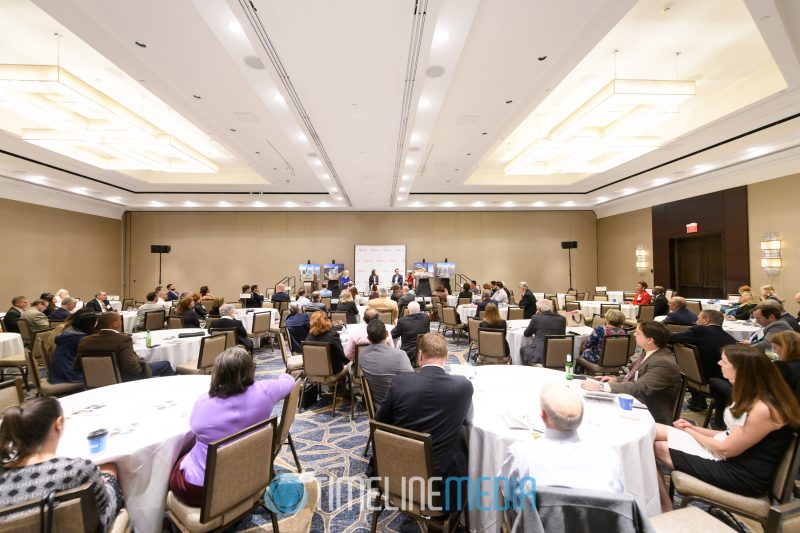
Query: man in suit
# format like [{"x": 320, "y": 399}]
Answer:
[
  {"x": 227, "y": 320},
  {"x": 397, "y": 278},
  {"x": 172, "y": 293},
  {"x": 409, "y": 327},
  {"x": 109, "y": 340},
  {"x": 384, "y": 304},
  {"x": 100, "y": 303},
  {"x": 679, "y": 313},
  {"x": 380, "y": 362},
  {"x": 710, "y": 338},
  {"x": 660, "y": 302},
  {"x": 786, "y": 317},
  {"x": 486, "y": 299},
  {"x": 768, "y": 316},
  {"x": 432, "y": 401},
  {"x": 527, "y": 302},
  {"x": 298, "y": 325},
  {"x": 544, "y": 322},
  {"x": 256, "y": 298},
  {"x": 280, "y": 294},
  {"x": 35, "y": 318},
  {"x": 68, "y": 305},
  {"x": 18, "y": 306},
  {"x": 316, "y": 303},
  {"x": 654, "y": 377},
  {"x": 407, "y": 297}
]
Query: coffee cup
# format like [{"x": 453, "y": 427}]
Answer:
[
  {"x": 625, "y": 402},
  {"x": 97, "y": 440}
]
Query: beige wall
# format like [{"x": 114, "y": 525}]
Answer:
[
  {"x": 617, "y": 239},
  {"x": 773, "y": 206},
  {"x": 46, "y": 249},
  {"x": 225, "y": 250}
]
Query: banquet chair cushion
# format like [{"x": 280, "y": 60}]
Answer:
[
  {"x": 121, "y": 522},
  {"x": 188, "y": 517},
  {"x": 689, "y": 485},
  {"x": 294, "y": 362},
  {"x": 686, "y": 520}
]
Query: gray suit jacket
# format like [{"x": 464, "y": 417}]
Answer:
[
  {"x": 657, "y": 385},
  {"x": 382, "y": 362},
  {"x": 541, "y": 325},
  {"x": 770, "y": 331}
]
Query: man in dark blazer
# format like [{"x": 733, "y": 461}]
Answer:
[
  {"x": 679, "y": 313},
  {"x": 544, "y": 322},
  {"x": 654, "y": 377},
  {"x": 432, "y": 401},
  {"x": 227, "y": 320},
  {"x": 527, "y": 302},
  {"x": 172, "y": 293},
  {"x": 18, "y": 306},
  {"x": 100, "y": 303},
  {"x": 280, "y": 294},
  {"x": 409, "y": 327},
  {"x": 256, "y": 297},
  {"x": 109, "y": 340},
  {"x": 397, "y": 277},
  {"x": 660, "y": 302},
  {"x": 68, "y": 305}
]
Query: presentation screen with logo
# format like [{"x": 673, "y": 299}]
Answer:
[{"x": 383, "y": 258}]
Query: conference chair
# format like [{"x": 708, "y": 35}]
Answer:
[
  {"x": 604, "y": 308},
  {"x": 678, "y": 328},
  {"x": 2, "y": 326},
  {"x": 450, "y": 323},
  {"x": 327, "y": 301},
  {"x": 598, "y": 320},
  {"x": 569, "y": 297},
  {"x": 318, "y": 369},
  {"x": 18, "y": 361},
  {"x": 356, "y": 379},
  {"x": 556, "y": 348},
  {"x": 677, "y": 407},
  {"x": 669, "y": 293},
  {"x": 694, "y": 306},
  {"x": 39, "y": 348},
  {"x": 464, "y": 301},
  {"x": 238, "y": 470},
  {"x": 340, "y": 317},
  {"x": 293, "y": 363},
  {"x": 230, "y": 335},
  {"x": 556, "y": 306},
  {"x": 690, "y": 364},
  {"x": 11, "y": 393},
  {"x": 175, "y": 322},
  {"x": 613, "y": 355},
  {"x": 473, "y": 324},
  {"x": 127, "y": 303},
  {"x": 628, "y": 296},
  {"x": 572, "y": 292},
  {"x": 261, "y": 328},
  {"x": 571, "y": 305},
  {"x": 288, "y": 413},
  {"x": 25, "y": 333},
  {"x": 581, "y": 296},
  {"x": 403, "y": 465},
  {"x": 491, "y": 347},
  {"x": 645, "y": 313},
  {"x": 99, "y": 370},
  {"x": 210, "y": 348},
  {"x": 516, "y": 313},
  {"x": 600, "y": 297},
  {"x": 372, "y": 408},
  {"x": 385, "y": 317},
  {"x": 43, "y": 385},
  {"x": 154, "y": 320}
]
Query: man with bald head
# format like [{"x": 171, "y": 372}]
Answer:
[
  {"x": 679, "y": 313},
  {"x": 560, "y": 457}
]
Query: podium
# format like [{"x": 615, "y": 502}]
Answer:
[{"x": 423, "y": 283}]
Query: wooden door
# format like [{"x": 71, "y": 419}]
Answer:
[{"x": 698, "y": 268}]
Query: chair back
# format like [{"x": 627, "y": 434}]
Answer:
[
  {"x": 2, "y": 326},
  {"x": 573, "y": 292},
  {"x": 385, "y": 317},
  {"x": 340, "y": 317},
  {"x": 127, "y": 303},
  {"x": 694, "y": 306},
  {"x": 448, "y": 315},
  {"x": 464, "y": 301},
  {"x": 645, "y": 312},
  {"x": 556, "y": 307},
  {"x": 154, "y": 320},
  {"x": 238, "y": 469},
  {"x": 317, "y": 358},
  {"x": 230, "y": 335},
  {"x": 473, "y": 324},
  {"x": 688, "y": 358},
  {"x": 678, "y": 328},
  {"x": 516, "y": 313},
  {"x": 600, "y": 297},
  {"x": 631, "y": 345},
  {"x": 598, "y": 320},
  {"x": 783, "y": 483},
  {"x": 581, "y": 296},
  {"x": 284, "y": 314},
  {"x": 74, "y": 511},
  {"x": 614, "y": 352},
  {"x": 33, "y": 370},
  {"x": 11, "y": 394},
  {"x": 210, "y": 348},
  {"x": 628, "y": 295},
  {"x": 556, "y": 348},
  {"x": 570, "y": 305},
  {"x": 677, "y": 407},
  {"x": 39, "y": 347},
  {"x": 285, "y": 343},
  {"x": 25, "y": 332},
  {"x": 175, "y": 322},
  {"x": 290, "y": 404},
  {"x": 99, "y": 370},
  {"x": 570, "y": 298},
  {"x": 327, "y": 301},
  {"x": 369, "y": 399},
  {"x": 491, "y": 344},
  {"x": 604, "y": 308},
  {"x": 261, "y": 322},
  {"x": 284, "y": 306}
]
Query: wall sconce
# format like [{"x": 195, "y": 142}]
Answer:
[
  {"x": 771, "y": 254},
  {"x": 641, "y": 259}
]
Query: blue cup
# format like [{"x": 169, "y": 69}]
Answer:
[
  {"x": 97, "y": 440},
  {"x": 625, "y": 402}
]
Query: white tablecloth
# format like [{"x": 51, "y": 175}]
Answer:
[
  {"x": 499, "y": 388},
  {"x": 149, "y": 424},
  {"x": 738, "y": 329},
  {"x": 247, "y": 318},
  {"x": 466, "y": 311},
  {"x": 116, "y": 305},
  {"x": 349, "y": 329},
  {"x": 171, "y": 348},
  {"x": 11, "y": 344},
  {"x": 452, "y": 300},
  {"x": 128, "y": 321},
  {"x": 590, "y": 308},
  {"x": 516, "y": 339}
]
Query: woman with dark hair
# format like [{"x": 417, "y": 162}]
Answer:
[
  {"x": 322, "y": 331},
  {"x": 760, "y": 421},
  {"x": 373, "y": 279},
  {"x": 786, "y": 345},
  {"x": 77, "y": 326},
  {"x": 234, "y": 401},
  {"x": 374, "y": 294},
  {"x": 492, "y": 319},
  {"x": 642, "y": 296},
  {"x": 50, "y": 298},
  {"x": 205, "y": 295},
  {"x": 186, "y": 310},
  {"x": 466, "y": 292},
  {"x": 29, "y": 437},
  {"x": 215, "y": 305}
]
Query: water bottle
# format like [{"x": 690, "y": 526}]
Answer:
[
  {"x": 568, "y": 367},
  {"x": 148, "y": 340}
]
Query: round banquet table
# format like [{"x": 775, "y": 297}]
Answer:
[
  {"x": 148, "y": 421},
  {"x": 591, "y": 308},
  {"x": 128, "y": 321},
  {"x": 452, "y": 300},
  {"x": 11, "y": 344},
  {"x": 466, "y": 311},
  {"x": 171, "y": 348},
  {"x": 516, "y": 339},
  {"x": 500, "y": 388},
  {"x": 738, "y": 329},
  {"x": 247, "y": 318}
]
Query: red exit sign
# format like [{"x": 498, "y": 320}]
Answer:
[{"x": 692, "y": 228}]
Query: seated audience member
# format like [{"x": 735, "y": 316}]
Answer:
[
  {"x": 527, "y": 302},
  {"x": 32, "y": 469},
  {"x": 406, "y": 297},
  {"x": 347, "y": 305},
  {"x": 62, "y": 366},
  {"x": 465, "y": 292},
  {"x": 768, "y": 293},
  {"x": 500, "y": 295},
  {"x": 760, "y": 421},
  {"x": 441, "y": 292},
  {"x": 384, "y": 304},
  {"x": 186, "y": 310},
  {"x": 302, "y": 298},
  {"x": 325, "y": 292},
  {"x": 786, "y": 345},
  {"x": 199, "y": 310},
  {"x": 561, "y": 458},
  {"x": 786, "y": 316},
  {"x": 245, "y": 297},
  {"x": 486, "y": 299},
  {"x": 316, "y": 303},
  {"x": 642, "y": 297},
  {"x": 768, "y": 316},
  {"x": 205, "y": 294},
  {"x": 280, "y": 294},
  {"x": 235, "y": 401},
  {"x": 227, "y": 320},
  {"x": 215, "y": 304},
  {"x": 357, "y": 336},
  {"x": 373, "y": 293},
  {"x": 395, "y": 292},
  {"x": 60, "y": 295},
  {"x": 256, "y": 298},
  {"x": 432, "y": 401},
  {"x": 544, "y": 322},
  {"x": 380, "y": 361},
  {"x": 68, "y": 306},
  {"x": 108, "y": 339},
  {"x": 147, "y": 307},
  {"x": 492, "y": 319},
  {"x": 797, "y": 300},
  {"x": 51, "y": 303},
  {"x": 100, "y": 303},
  {"x": 321, "y": 330},
  {"x": 354, "y": 292},
  {"x": 742, "y": 310},
  {"x": 660, "y": 302},
  {"x": 473, "y": 288},
  {"x": 297, "y": 324},
  {"x": 162, "y": 297},
  {"x": 710, "y": 338},
  {"x": 615, "y": 320},
  {"x": 34, "y": 316},
  {"x": 654, "y": 377},
  {"x": 409, "y": 327},
  {"x": 679, "y": 313},
  {"x": 172, "y": 293}
]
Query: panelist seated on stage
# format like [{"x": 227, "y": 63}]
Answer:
[
  {"x": 679, "y": 313},
  {"x": 561, "y": 458},
  {"x": 227, "y": 320},
  {"x": 108, "y": 339}
]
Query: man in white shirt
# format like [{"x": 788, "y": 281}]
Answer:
[
  {"x": 302, "y": 299},
  {"x": 560, "y": 457},
  {"x": 151, "y": 305},
  {"x": 500, "y": 296}
]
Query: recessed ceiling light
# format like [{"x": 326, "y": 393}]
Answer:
[
  {"x": 80, "y": 190},
  {"x": 414, "y": 137},
  {"x": 402, "y": 189},
  {"x": 223, "y": 203},
  {"x": 416, "y": 204},
  {"x": 332, "y": 189},
  {"x": 441, "y": 36},
  {"x": 301, "y": 136},
  {"x": 140, "y": 44},
  {"x": 424, "y": 103},
  {"x": 703, "y": 168},
  {"x": 36, "y": 179},
  {"x": 155, "y": 203},
  {"x": 508, "y": 204},
  {"x": 289, "y": 204},
  {"x": 538, "y": 204},
  {"x": 188, "y": 203},
  {"x": 756, "y": 151},
  {"x": 478, "y": 204},
  {"x": 448, "y": 204},
  {"x": 409, "y": 161},
  {"x": 338, "y": 198},
  {"x": 278, "y": 97},
  {"x": 115, "y": 199},
  {"x": 406, "y": 177},
  {"x": 626, "y": 192},
  {"x": 660, "y": 181},
  {"x": 318, "y": 162},
  {"x": 434, "y": 71},
  {"x": 568, "y": 204},
  {"x": 601, "y": 199},
  {"x": 323, "y": 204},
  {"x": 235, "y": 27},
  {"x": 326, "y": 177},
  {"x": 259, "y": 203}
]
